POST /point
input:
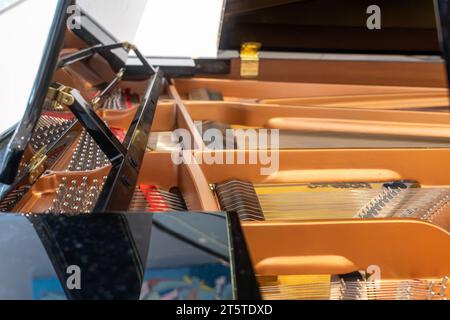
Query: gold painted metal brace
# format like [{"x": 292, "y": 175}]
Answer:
[{"x": 250, "y": 59}]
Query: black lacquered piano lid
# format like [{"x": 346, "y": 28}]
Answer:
[
  {"x": 119, "y": 256},
  {"x": 407, "y": 27},
  {"x": 12, "y": 156}
]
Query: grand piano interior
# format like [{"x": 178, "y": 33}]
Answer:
[{"x": 357, "y": 206}]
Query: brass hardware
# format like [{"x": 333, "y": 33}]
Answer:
[
  {"x": 36, "y": 166},
  {"x": 128, "y": 46},
  {"x": 250, "y": 59},
  {"x": 120, "y": 73},
  {"x": 60, "y": 96},
  {"x": 95, "y": 102}
]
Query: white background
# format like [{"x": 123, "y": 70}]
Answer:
[
  {"x": 180, "y": 28},
  {"x": 20, "y": 55}
]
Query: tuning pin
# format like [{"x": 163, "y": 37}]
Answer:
[
  {"x": 431, "y": 292},
  {"x": 62, "y": 188},
  {"x": 443, "y": 288},
  {"x": 65, "y": 207},
  {"x": 91, "y": 204},
  {"x": 68, "y": 197},
  {"x": 92, "y": 196},
  {"x": 95, "y": 184},
  {"x": 59, "y": 192},
  {"x": 55, "y": 206}
]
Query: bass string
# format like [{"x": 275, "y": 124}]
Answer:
[
  {"x": 346, "y": 290},
  {"x": 393, "y": 295},
  {"x": 367, "y": 283},
  {"x": 419, "y": 200},
  {"x": 344, "y": 296},
  {"x": 237, "y": 192},
  {"x": 352, "y": 283},
  {"x": 376, "y": 286},
  {"x": 348, "y": 195},
  {"x": 340, "y": 297},
  {"x": 356, "y": 290}
]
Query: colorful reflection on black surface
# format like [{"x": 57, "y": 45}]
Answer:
[{"x": 121, "y": 256}]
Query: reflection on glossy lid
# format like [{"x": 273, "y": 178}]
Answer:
[
  {"x": 115, "y": 256},
  {"x": 331, "y": 26}
]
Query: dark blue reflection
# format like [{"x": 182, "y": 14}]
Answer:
[
  {"x": 25, "y": 269},
  {"x": 132, "y": 256}
]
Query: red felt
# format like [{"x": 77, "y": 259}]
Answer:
[
  {"x": 119, "y": 133},
  {"x": 155, "y": 201}
]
